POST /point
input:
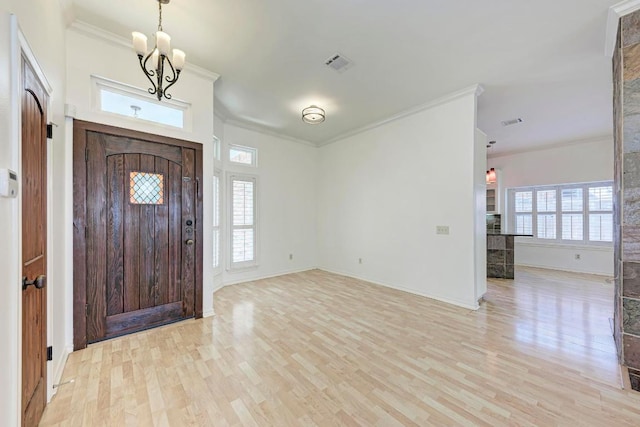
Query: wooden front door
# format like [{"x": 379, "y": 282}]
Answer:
[
  {"x": 34, "y": 245},
  {"x": 142, "y": 241}
]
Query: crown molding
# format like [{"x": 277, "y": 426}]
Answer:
[
  {"x": 476, "y": 89},
  {"x": 602, "y": 138},
  {"x": 260, "y": 129},
  {"x": 616, "y": 12},
  {"x": 86, "y": 29}
]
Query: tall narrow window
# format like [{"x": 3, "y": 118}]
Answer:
[
  {"x": 601, "y": 214},
  {"x": 243, "y": 220},
  {"x": 216, "y": 147},
  {"x": 546, "y": 205},
  {"x": 216, "y": 220},
  {"x": 523, "y": 210},
  {"x": 572, "y": 217}
]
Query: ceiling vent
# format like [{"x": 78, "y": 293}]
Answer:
[
  {"x": 338, "y": 62},
  {"x": 512, "y": 122}
]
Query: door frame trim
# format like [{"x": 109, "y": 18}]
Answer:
[{"x": 80, "y": 129}]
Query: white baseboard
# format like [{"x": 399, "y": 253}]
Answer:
[
  {"x": 568, "y": 269},
  {"x": 59, "y": 368},
  {"x": 462, "y": 304},
  {"x": 267, "y": 276}
]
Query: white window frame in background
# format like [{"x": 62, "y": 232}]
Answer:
[
  {"x": 585, "y": 212},
  {"x": 217, "y": 148},
  {"x": 217, "y": 221},
  {"x": 251, "y": 150},
  {"x": 231, "y": 178},
  {"x": 100, "y": 84}
]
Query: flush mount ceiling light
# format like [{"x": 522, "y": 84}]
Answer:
[
  {"x": 313, "y": 115},
  {"x": 159, "y": 57}
]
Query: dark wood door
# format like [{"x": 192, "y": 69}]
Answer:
[
  {"x": 142, "y": 239},
  {"x": 34, "y": 245}
]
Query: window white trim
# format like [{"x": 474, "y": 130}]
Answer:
[
  {"x": 217, "y": 148},
  {"x": 98, "y": 84},
  {"x": 253, "y": 227},
  {"x": 253, "y": 152},
  {"x": 535, "y": 214}
]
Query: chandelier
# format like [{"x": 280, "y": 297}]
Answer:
[{"x": 156, "y": 64}]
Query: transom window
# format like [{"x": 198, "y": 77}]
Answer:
[
  {"x": 243, "y": 155},
  {"x": 136, "y": 104},
  {"x": 574, "y": 213}
]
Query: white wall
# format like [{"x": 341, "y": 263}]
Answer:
[
  {"x": 42, "y": 25},
  {"x": 93, "y": 52},
  {"x": 287, "y": 176},
  {"x": 587, "y": 161},
  {"x": 383, "y": 192}
]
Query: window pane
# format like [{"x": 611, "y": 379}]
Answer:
[
  {"x": 547, "y": 226},
  {"x": 130, "y": 106},
  {"x": 524, "y": 224},
  {"x": 216, "y": 201},
  {"x": 601, "y": 198},
  {"x": 216, "y": 221},
  {"x": 572, "y": 226},
  {"x": 546, "y": 201},
  {"x": 146, "y": 188},
  {"x": 242, "y": 245},
  {"x": 601, "y": 227},
  {"x": 572, "y": 200},
  {"x": 216, "y": 248},
  {"x": 242, "y": 203},
  {"x": 524, "y": 201},
  {"x": 245, "y": 156}
]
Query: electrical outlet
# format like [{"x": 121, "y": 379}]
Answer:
[
  {"x": 359, "y": 260},
  {"x": 290, "y": 256},
  {"x": 442, "y": 229},
  {"x": 577, "y": 256}
]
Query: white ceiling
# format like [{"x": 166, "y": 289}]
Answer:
[{"x": 539, "y": 60}]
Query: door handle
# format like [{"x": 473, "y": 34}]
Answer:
[
  {"x": 189, "y": 242},
  {"x": 38, "y": 282}
]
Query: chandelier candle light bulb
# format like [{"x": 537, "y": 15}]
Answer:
[
  {"x": 178, "y": 59},
  {"x": 156, "y": 65},
  {"x": 139, "y": 43},
  {"x": 163, "y": 42}
]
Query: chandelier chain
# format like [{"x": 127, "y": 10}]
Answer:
[{"x": 159, "y": 16}]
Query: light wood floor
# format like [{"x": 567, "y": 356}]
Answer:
[{"x": 320, "y": 349}]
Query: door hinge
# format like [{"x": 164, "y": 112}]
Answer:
[
  {"x": 49, "y": 353},
  {"x": 50, "y": 131},
  {"x": 86, "y": 232},
  {"x": 86, "y": 155},
  {"x": 86, "y": 310}
]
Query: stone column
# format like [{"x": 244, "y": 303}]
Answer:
[{"x": 626, "y": 106}]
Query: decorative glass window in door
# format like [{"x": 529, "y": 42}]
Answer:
[{"x": 146, "y": 188}]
